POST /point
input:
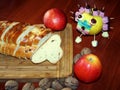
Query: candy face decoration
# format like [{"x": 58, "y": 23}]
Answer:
[
  {"x": 88, "y": 24},
  {"x": 91, "y": 21}
]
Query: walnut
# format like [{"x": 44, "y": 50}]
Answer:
[
  {"x": 71, "y": 82},
  {"x": 56, "y": 85},
  {"x": 45, "y": 83},
  {"x": 62, "y": 81},
  {"x": 76, "y": 57},
  {"x": 50, "y": 89},
  {"x": 28, "y": 86},
  {"x": 85, "y": 50},
  {"x": 66, "y": 88},
  {"x": 11, "y": 85},
  {"x": 38, "y": 88}
]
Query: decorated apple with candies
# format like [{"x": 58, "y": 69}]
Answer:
[
  {"x": 88, "y": 68},
  {"x": 55, "y": 19}
]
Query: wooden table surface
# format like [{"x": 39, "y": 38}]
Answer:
[{"x": 32, "y": 11}]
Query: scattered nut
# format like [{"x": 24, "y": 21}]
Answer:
[
  {"x": 56, "y": 85},
  {"x": 28, "y": 86},
  {"x": 38, "y": 88},
  {"x": 50, "y": 89},
  {"x": 67, "y": 88},
  {"x": 71, "y": 82},
  {"x": 76, "y": 57},
  {"x": 66, "y": 83},
  {"x": 45, "y": 83},
  {"x": 85, "y": 51},
  {"x": 62, "y": 81},
  {"x": 11, "y": 85}
]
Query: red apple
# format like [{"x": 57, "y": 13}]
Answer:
[
  {"x": 55, "y": 19},
  {"x": 88, "y": 68}
]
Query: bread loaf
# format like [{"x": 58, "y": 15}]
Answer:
[{"x": 34, "y": 42}]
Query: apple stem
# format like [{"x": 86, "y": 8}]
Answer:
[{"x": 90, "y": 59}]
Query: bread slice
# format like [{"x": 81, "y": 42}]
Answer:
[{"x": 50, "y": 51}]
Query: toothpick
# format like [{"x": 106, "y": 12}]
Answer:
[
  {"x": 81, "y": 35},
  {"x": 72, "y": 17},
  {"x": 103, "y": 8},
  {"x": 78, "y": 5},
  {"x": 94, "y": 37},
  {"x": 111, "y": 27},
  {"x": 95, "y": 6},
  {"x": 86, "y": 4},
  {"x": 112, "y": 18},
  {"x": 71, "y": 12}
]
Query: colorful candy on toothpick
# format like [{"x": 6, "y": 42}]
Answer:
[{"x": 91, "y": 21}]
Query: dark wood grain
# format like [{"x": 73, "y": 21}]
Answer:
[{"x": 108, "y": 50}]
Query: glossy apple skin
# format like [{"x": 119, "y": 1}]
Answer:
[
  {"x": 88, "y": 68},
  {"x": 55, "y": 19}
]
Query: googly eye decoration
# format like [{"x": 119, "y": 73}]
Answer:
[{"x": 91, "y": 21}]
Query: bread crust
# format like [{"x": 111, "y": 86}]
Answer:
[
  {"x": 34, "y": 42},
  {"x": 30, "y": 41},
  {"x": 22, "y": 52}
]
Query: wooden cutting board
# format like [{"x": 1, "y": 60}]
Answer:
[{"x": 11, "y": 67}]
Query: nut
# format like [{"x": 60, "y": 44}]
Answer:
[
  {"x": 56, "y": 85},
  {"x": 45, "y": 83},
  {"x": 71, "y": 82},
  {"x": 76, "y": 57},
  {"x": 85, "y": 51},
  {"x": 67, "y": 88},
  {"x": 28, "y": 86},
  {"x": 62, "y": 81},
  {"x": 50, "y": 89},
  {"x": 38, "y": 88},
  {"x": 11, "y": 85}
]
